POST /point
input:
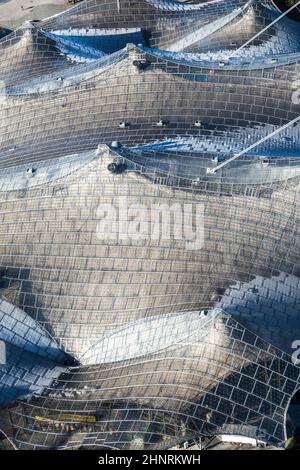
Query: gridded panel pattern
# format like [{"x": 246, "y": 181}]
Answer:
[
  {"x": 80, "y": 287},
  {"x": 172, "y": 343},
  {"x": 157, "y": 400},
  {"x": 32, "y": 358},
  {"x": 27, "y": 53},
  {"x": 234, "y": 106},
  {"x": 163, "y": 22}
]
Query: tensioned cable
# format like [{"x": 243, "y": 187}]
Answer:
[
  {"x": 267, "y": 27},
  {"x": 211, "y": 171}
]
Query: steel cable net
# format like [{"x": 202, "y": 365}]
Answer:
[{"x": 121, "y": 341}]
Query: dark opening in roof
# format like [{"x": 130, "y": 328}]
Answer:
[{"x": 284, "y": 5}]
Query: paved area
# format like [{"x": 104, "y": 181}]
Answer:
[{"x": 15, "y": 12}]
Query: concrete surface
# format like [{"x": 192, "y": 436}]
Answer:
[{"x": 15, "y": 12}]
